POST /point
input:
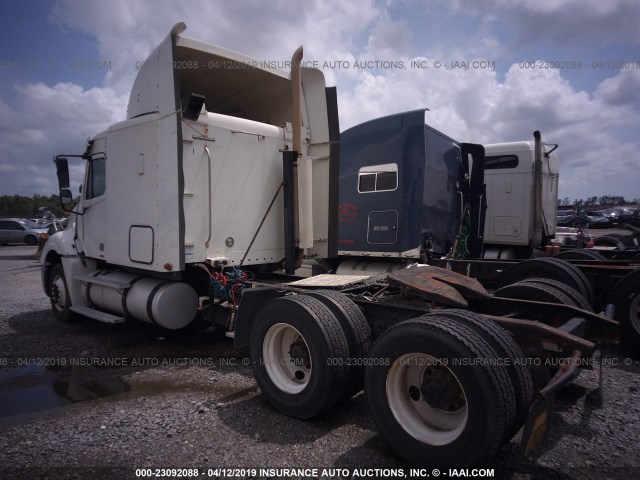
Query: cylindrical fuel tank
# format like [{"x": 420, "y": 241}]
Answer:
[{"x": 165, "y": 303}]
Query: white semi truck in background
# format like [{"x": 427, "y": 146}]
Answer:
[{"x": 226, "y": 174}]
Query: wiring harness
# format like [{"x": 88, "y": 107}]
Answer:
[
  {"x": 226, "y": 286},
  {"x": 460, "y": 249}
]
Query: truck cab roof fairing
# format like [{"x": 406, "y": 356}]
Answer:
[
  {"x": 232, "y": 84},
  {"x": 154, "y": 89}
]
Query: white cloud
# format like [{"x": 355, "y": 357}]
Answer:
[
  {"x": 126, "y": 33},
  {"x": 51, "y": 120},
  {"x": 623, "y": 89},
  {"x": 596, "y": 129},
  {"x": 594, "y": 7},
  {"x": 388, "y": 39},
  {"x": 474, "y": 105},
  {"x": 568, "y": 23},
  {"x": 8, "y": 168}
]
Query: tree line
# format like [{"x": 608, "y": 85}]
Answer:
[
  {"x": 605, "y": 200},
  {"x": 27, "y": 207}
]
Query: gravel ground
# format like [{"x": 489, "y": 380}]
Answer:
[{"x": 185, "y": 400}]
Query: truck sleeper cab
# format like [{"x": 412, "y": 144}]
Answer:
[
  {"x": 194, "y": 175},
  {"x": 405, "y": 188},
  {"x": 511, "y": 203}
]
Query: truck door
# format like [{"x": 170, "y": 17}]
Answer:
[{"x": 92, "y": 226}]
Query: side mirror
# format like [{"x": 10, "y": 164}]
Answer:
[
  {"x": 62, "y": 170},
  {"x": 65, "y": 197}
]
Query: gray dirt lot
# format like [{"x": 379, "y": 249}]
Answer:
[{"x": 184, "y": 400}]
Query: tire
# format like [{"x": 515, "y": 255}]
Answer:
[
  {"x": 580, "y": 278},
  {"x": 579, "y": 254},
  {"x": 577, "y": 298},
  {"x": 553, "y": 268},
  {"x": 30, "y": 240},
  {"x": 629, "y": 241},
  {"x": 626, "y": 299},
  {"x": 506, "y": 348},
  {"x": 537, "y": 292},
  {"x": 314, "y": 377},
  {"x": 59, "y": 295},
  {"x": 474, "y": 403},
  {"x": 610, "y": 241},
  {"x": 356, "y": 329}
]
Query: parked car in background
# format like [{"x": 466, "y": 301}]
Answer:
[
  {"x": 595, "y": 220},
  {"x": 19, "y": 230},
  {"x": 565, "y": 219},
  {"x": 634, "y": 219},
  {"x": 588, "y": 219},
  {"x": 618, "y": 215}
]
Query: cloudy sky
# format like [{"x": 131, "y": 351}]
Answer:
[{"x": 489, "y": 71}]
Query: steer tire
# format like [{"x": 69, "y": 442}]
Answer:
[
  {"x": 59, "y": 295},
  {"x": 356, "y": 329},
  {"x": 299, "y": 356},
  {"x": 431, "y": 407},
  {"x": 508, "y": 350}
]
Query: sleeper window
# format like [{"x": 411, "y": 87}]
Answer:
[{"x": 378, "y": 178}]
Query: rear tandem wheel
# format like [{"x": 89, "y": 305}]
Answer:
[
  {"x": 626, "y": 299},
  {"x": 434, "y": 394},
  {"x": 553, "y": 268},
  {"x": 579, "y": 254},
  {"x": 539, "y": 290},
  {"x": 356, "y": 329},
  {"x": 508, "y": 352},
  {"x": 576, "y": 297},
  {"x": 298, "y": 353}
]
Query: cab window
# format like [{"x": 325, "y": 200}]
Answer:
[
  {"x": 96, "y": 178},
  {"x": 497, "y": 162}
]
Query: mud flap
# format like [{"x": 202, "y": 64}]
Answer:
[
  {"x": 537, "y": 422},
  {"x": 536, "y": 425}
]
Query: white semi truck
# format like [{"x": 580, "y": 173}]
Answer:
[
  {"x": 522, "y": 197},
  {"x": 226, "y": 172}
]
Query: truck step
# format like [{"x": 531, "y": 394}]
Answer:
[
  {"x": 97, "y": 314},
  {"x": 105, "y": 282}
]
